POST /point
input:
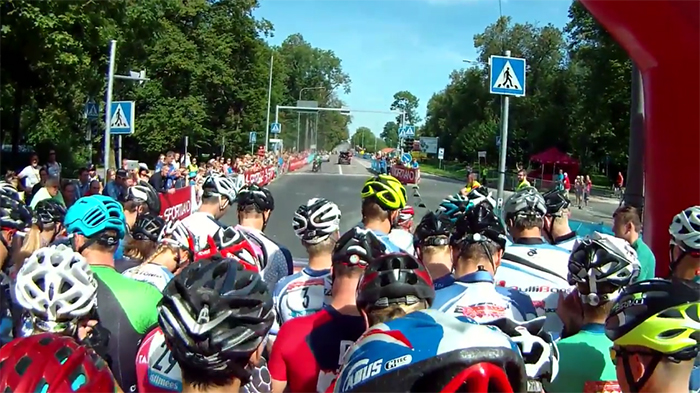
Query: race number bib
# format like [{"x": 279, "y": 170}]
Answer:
[
  {"x": 305, "y": 300},
  {"x": 163, "y": 370}
]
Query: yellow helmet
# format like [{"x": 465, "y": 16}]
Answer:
[
  {"x": 662, "y": 315},
  {"x": 388, "y": 190}
]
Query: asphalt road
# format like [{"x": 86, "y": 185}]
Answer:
[{"x": 342, "y": 184}]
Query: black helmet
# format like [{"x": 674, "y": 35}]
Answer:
[
  {"x": 434, "y": 229},
  {"x": 214, "y": 315},
  {"x": 143, "y": 192},
  {"x": 555, "y": 200},
  {"x": 477, "y": 223},
  {"x": 394, "y": 279},
  {"x": 14, "y": 214},
  {"x": 48, "y": 212},
  {"x": 147, "y": 227},
  {"x": 255, "y": 195},
  {"x": 358, "y": 246}
]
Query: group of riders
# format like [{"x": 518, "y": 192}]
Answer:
[{"x": 468, "y": 299}]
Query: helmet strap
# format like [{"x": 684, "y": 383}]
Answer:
[{"x": 636, "y": 386}]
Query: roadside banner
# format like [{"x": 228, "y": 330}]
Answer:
[
  {"x": 406, "y": 175},
  {"x": 176, "y": 205}
]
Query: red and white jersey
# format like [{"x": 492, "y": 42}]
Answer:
[{"x": 156, "y": 369}]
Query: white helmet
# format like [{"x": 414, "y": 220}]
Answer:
[
  {"x": 316, "y": 221},
  {"x": 685, "y": 229},
  {"x": 539, "y": 350},
  {"x": 481, "y": 194},
  {"x": 55, "y": 283},
  {"x": 599, "y": 259},
  {"x": 9, "y": 190},
  {"x": 220, "y": 185},
  {"x": 525, "y": 202},
  {"x": 176, "y": 234}
]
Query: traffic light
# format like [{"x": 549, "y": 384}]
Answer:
[{"x": 408, "y": 145}]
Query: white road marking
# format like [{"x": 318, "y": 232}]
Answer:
[{"x": 340, "y": 169}]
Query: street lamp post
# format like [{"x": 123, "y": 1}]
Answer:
[
  {"x": 134, "y": 76},
  {"x": 299, "y": 114},
  {"x": 269, "y": 102}
]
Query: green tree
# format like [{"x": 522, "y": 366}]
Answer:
[
  {"x": 407, "y": 103},
  {"x": 390, "y": 134}
]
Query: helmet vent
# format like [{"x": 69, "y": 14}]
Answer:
[
  {"x": 669, "y": 334},
  {"x": 692, "y": 312},
  {"x": 23, "y": 364},
  {"x": 672, "y": 313}
]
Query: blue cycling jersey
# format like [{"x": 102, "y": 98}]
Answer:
[
  {"x": 476, "y": 296},
  {"x": 444, "y": 281},
  {"x": 390, "y": 246}
]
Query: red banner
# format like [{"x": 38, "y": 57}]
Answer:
[
  {"x": 177, "y": 205},
  {"x": 261, "y": 176},
  {"x": 406, "y": 175},
  {"x": 296, "y": 163}
]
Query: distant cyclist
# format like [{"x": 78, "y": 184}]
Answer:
[
  {"x": 317, "y": 224},
  {"x": 600, "y": 266},
  {"x": 383, "y": 197},
  {"x": 655, "y": 331},
  {"x": 140, "y": 199},
  {"x": 307, "y": 352},
  {"x": 52, "y": 363},
  {"x": 218, "y": 194},
  {"x": 214, "y": 317},
  {"x": 255, "y": 205},
  {"x": 431, "y": 240},
  {"x": 143, "y": 241},
  {"x": 127, "y": 308},
  {"x": 556, "y": 227},
  {"x": 429, "y": 351},
  {"x": 478, "y": 243}
]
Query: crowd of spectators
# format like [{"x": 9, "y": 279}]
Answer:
[{"x": 173, "y": 170}]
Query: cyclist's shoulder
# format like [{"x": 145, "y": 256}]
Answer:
[{"x": 286, "y": 281}]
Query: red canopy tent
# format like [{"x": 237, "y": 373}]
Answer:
[{"x": 553, "y": 159}]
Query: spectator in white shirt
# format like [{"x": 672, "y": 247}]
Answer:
[{"x": 29, "y": 176}]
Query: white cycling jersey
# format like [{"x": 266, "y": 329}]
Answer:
[
  {"x": 276, "y": 267},
  {"x": 539, "y": 270},
  {"x": 156, "y": 275},
  {"x": 567, "y": 244},
  {"x": 202, "y": 225},
  {"x": 302, "y": 293},
  {"x": 402, "y": 239},
  {"x": 476, "y": 296}
]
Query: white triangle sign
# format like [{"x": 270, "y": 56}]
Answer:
[
  {"x": 119, "y": 119},
  {"x": 92, "y": 110},
  {"x": 507, "y": 79}
]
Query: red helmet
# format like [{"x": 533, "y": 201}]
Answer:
[
  {"x": 52, "y": 363},
  {"x": 231, "y": 243}
]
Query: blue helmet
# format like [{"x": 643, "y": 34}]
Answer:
[
  {"x": 95, "y": 214},
  {"x": 428, "y": 350},
  {"x": 454, "y": 206}
]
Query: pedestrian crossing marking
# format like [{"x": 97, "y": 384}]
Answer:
[
  {"x": 507, "y": 79},
  {"x": 119, "y": 119}
]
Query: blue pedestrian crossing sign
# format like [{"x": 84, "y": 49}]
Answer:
[
  {"x": 92, "y": 110},
  {"x": 406, "y": 158},
  {"x": 275, "y": 128},
  {"x": 122, "y": 118},
  {"x": 407, "y": 131},
  {"x": 507, "y": 76},
  {"x": 252, "y": 137}
]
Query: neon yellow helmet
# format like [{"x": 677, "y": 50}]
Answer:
[
  {"x": 662, "y": 315},
  {"x": 388, "y": 190}
]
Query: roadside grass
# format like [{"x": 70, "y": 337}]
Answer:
[{"x": 449, "y": 171}]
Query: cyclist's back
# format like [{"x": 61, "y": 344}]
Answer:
[
  {"x": 127, "y": 308},
  {"x": 273, "y": 261},
  {"x": 303, "y": 293},
  {"x": 402, "y": 239},
  {"x": 476, "y": 296},
  {"x": 202, "y": 225}
]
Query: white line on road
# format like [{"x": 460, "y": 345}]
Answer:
[{"x": 340, "y": 169}]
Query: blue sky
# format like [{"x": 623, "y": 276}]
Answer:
[{"x": 390, "y": 45}]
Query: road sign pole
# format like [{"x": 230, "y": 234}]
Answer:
[
  {"x": 269, "y": 102},
  {"x": 108, "y": 107},
  {"x": 504, "y": 143},
  {"x": 119, "y": 151}
]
